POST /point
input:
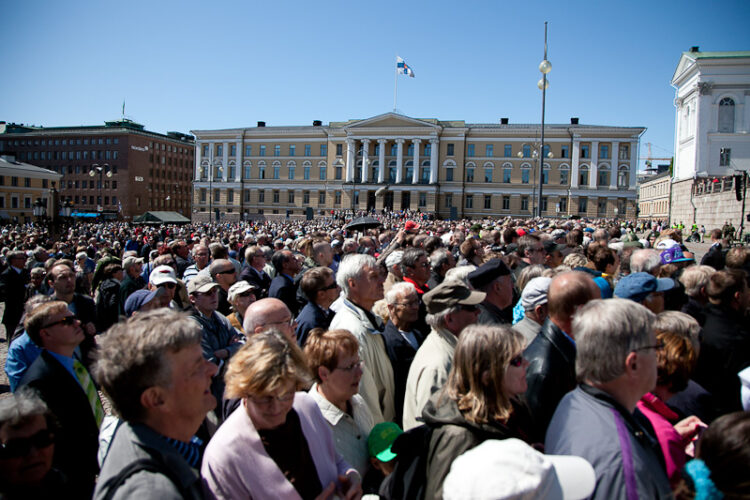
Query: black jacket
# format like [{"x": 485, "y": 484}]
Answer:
[
  {"x": 283, "y": 288},
  {"x": 714, "y": 257},
  {"x": 77, "y": 439},
  {"x": 311, "y": 316},
  {"x": 254, "y": 278},
  {"x": 401, "y": 354},
  {"x": 13, "y": 293},
  {"x": 551, "y": 374}
]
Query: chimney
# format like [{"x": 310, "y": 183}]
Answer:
[
  {"x": 317, "y": 123},
  {"x": 694, "y": 49},
  {"x": 503, "y": 121},
  {"x": 261, "y": 124},
  {"x": 574, "y": 121}
]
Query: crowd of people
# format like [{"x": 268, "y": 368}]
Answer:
[{"x": 405, "y": 357}]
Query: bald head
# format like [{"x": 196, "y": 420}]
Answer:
[
  {"x": 567, "y": 292},
  {"x": 265, "y": 314}
]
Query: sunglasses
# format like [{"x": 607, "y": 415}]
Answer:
[
  {"x": 329, "y": 287},
  {"x": 469, "y": 308},
  {"x": 517, "y": 360},
  {"x": 167, "y": 285},
  {"x": 21, "y": 447},
  {"x": 227, "y": 271},
  {"x": 67, "y": 321},
  {"x": 246, "y": 294}
]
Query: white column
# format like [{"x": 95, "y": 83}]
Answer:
[
  {"x": 381, "y": 160},
  {"x": 434, "y": 144},
  {"x": 399, "y": 159},
  {"x": 225, "y": 161},
  {"x": 198, "y": 159},
  {"x": 594, "y": 160},
  {"x": 238, "y": 162},
  {"x": 633, "y": 164},
  {"x": 574, "y": 167},
  {"x": 365, "y": 160},
  {"x": 415, "y": 172},
  {"x": 615, "y": 155},
  {"x": 349, "y": 160}
]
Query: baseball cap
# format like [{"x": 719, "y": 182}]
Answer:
[
  {"x": 511, "y": 469},
  {"x": 140, "y": 298},
  {"x": 488, "y": 272},
  {"x": 241, "y": 286},
  {"x": 637, "y": 286},
  {"x": 394, "y": 258},
  {"x": 550, "y": 246},
  {"x": 674, "y": 254},
  {"x": 411, "y": 225},
  {"x": 381, "y": 439},
  {"x": 162, "y": 274},
  {"x": 450, "y": 293},
  {"x": 130, "y": 262},
  {"x": 535, "y": 293},
  {"x": 201, "y": 284}
]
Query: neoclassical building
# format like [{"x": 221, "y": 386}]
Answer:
[{"x": 393, "y": 161}]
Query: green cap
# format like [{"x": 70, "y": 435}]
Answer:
[{"x": 381, "y": 439}]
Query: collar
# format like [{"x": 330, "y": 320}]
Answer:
[
  {"x": 376, "y": 326},
  {"x": 17, "y": 269},
  {"x": 420, "y": 290},
  {"x": 447, "y": 336},
  {"x": 190, "y": 451},
  {"x": 330, "y": 411},
  {"x": 652, "y": 402}
]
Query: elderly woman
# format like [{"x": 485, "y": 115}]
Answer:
[
  {"x": 333, "y": 359},
  {"x": 695, "y": 280},
  {"x": 677, "y": 338},
  {"x": 239, "y": 296},
  {"x": 276, "y": 444},
  {"x": 479, "y": 400},
  {"x": 26, "y": 449}
]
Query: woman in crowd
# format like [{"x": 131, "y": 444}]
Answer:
[
  {"x": 239, "y": 296},
  {"x": 472, "y": 252},
  {"x": 276, "y": 444},
  {"x": 333, "y": 359},
  {"x": 678, "y": 334},
  {"x": 479, "y": 400}
]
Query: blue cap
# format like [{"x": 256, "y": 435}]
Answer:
[
  {"x": 638, "y": 286},
  {"x": 138, "y": 299}
]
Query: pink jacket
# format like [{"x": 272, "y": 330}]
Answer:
[
  {"x": 236, "y": 464},
  {"x": 672, "y": 447}
]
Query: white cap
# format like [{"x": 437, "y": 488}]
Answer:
[
  {"x": 535, "y": 292},
  {"x": 162, "y": 274},
  {"x": 511, "y": 469}
]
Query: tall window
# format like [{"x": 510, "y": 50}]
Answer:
[
  {"x": 489, "y": 150},
  {"x": 262, "y": 196},
  {"x": 545, "y": 176},
  {"x": 337, "y": 198},
  {"x": 339, "y": 173},
  {"x": 525, "y": 175},
  {"x": 247, "y": 171},
  {"x": 394, "y": 149},
  {"x": 487, "y": 201},
  {"x": 450, "y": 150},
  {"x": 292, "y": 149},
  {"x": 563, "y": 177},
  {"x": 564, "y": 151},
  {"x": 205, "y": 150},
  {"x": 583, "y": 205},
  {"x": 726, "y": 115},
  {"x": 307, "y": 172},
  {"x": 624, "y": 151},
  {"x": 427, "y": 149},
  {"x": 322, "y": 173},
  {"x": 219, "y": 150},
  {"x": 248, "y": 150},
  {"x": 262, "y": 172},
  {"x": 448, "y": 174},
  {"x": 604, "y": 151},
  {"x": 232, "y": 172},
  {"x": 603, "y": 177},
  {"x": 307, "y": 150},
  {"x": 526, "y": 151},
  {"x": 469, "y": 201},
  {"x": 506, "y": 202},
  {"x": 410, "y": 150},
  {"x": 277, "y": 150},
  {"x": 306, "y": 197},
  {"x": 448, "y": 200},
  {"x": 508, "y": 150},
  {"x": 262, "y": 150},
  {"x": 469, "y": 175},
  {"x": 487, "y": 175},
  {"x": 543, "y": 204},
  {"x": 291, "y": 196},
  {"x": 323, "y": 149},
  {"x": 563, "y": 204},
  {"x": 725, "y": 157},
  {"x": 321, "y": 197},
  {"x": 230, "y": 196},
  {"x": 470, "y": 150},
  {"x": 585, "y": 151},
  {"x": 524, "y": 202},
  {"x": 291, "y": 173},
  {"x": 275, "y": 195},
  {"x": 339, "y": 149},
  {"x": 276, "y": 172},
  {"x": 583, "y": 177},
  {"x": 506, "y": 175},
  {"x": 233, "y": 150},
  {"x": 422, "y": 199}
]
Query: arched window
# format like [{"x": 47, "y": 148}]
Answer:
[
  {"x": 583, "y": 176},
  {"x": 726, "y": 115},
  {"x": 602, "y": 176},
  {"x": 623, "y": 177}
]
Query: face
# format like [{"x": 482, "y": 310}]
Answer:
[
  {"x": 188, "y": 396},
  {"x": 200, "y": 255},
  {"x": 62, "y": 330},
  {"x": 330, "y": 292},
  {"x": 18, "y": 262},
  {"x": 226, "y": 276},
  {"x": 64, "y": 280},
  {"x": 648, "y": 364},
  {"x": 325, "y": 257},
  {"x": 170, "y": 288},
  {"x": 343, "y": 381},
  {"x": 258, "y": 261},
  {"x": 37, "y": 278},
  {"x": 505, "y": 291},
  {"x": 28, "y": 456},
  {"x": 243, "y": 300},
  {"x": 466, "y": 315},
  {"x": 136, "y": 269},
  {"x": 406, "y": 309},
  {"x": 206, "y": 302},
  {"x": 536, "y": 254},
  {"x": 655, "y": 302},
  {"x": 421, "y": 270},
  {"x": 268, "y": 411},
  {"x": 554, "y": 259},
  {"x": 514, "y": 381},
  {"x": 369, "y": 286},
  {"x": 279, "y": 317}
]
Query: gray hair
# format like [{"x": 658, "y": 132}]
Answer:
[
  {"x": 439, "y": 257},
  {"x": 606, "y": 331},
  {"x": 20, "y": 406},
  {"x": 694, "y": 278},
  {"x": 132, "y": 356},
  {"x": 680, "y": 323},
  {"x": 437, "y": 320},
  {"x": 527, "y": 274},
  {"x": 645, "y": 260},
  {"x": 352, "y": 267},
  {"x": 460, "y": 273},
  {"x": 399, "y": 290}
]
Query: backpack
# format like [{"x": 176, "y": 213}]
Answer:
[{"x": 409, "y": 477}]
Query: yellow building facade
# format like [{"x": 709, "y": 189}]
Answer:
[
  {"x": 654, "y": 197},
  {"x": 21, "y": 185},
  {"x": 396, "y": 162}
]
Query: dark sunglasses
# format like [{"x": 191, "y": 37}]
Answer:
[
  {"x": 20, "y": 447},
  {"x": 329, "y": 287},
  {"x": 227, "y": 271},
  {"x": 67, "y": 321},
  {"x": 469, "y": 308},
  {"x": 517, "y": 361},
  {"x": 246, "y": 294},
  {"x": 167, "y": 285}
]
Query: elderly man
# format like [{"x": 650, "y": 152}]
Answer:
[
  {"x": 156, "y": 377},
  {"x": 282, "y": 286},
  {"x": 133, "y": 280},
  {"x": 552, "y": 354},
  {"x": 219, "y": 338},
  {"x": 695, "y": 280},
  {"x": 616, "y": 365},
  {"x": 254, "y": 273},
  {"x": 530, "y": 251},
  {"x": 493, "y": 278},
  {"x": 402, "y": 338},
  {"x": 181, "y": 253},
  {"x": 441, "y": 260},
  {"x": 645, "y": 260},
  {"x": 164, "y": 277},
  {"x": 393, "y": 265},
  {"x": 269, "y": 313},
  {"x": 450, "y": 306},
  {"x": 225, "y": 275},
  {"x": 416, "y": 269},
  {"x": 361, "y": 282},
  {"x": 201, "y": 256},
  {"x": 13, "y": 283},
  {"x": 645, "y": 289},
  {"x": 534, "y": 303},
  {"x": 319, "y": 285},
  {"x": 68, "y": 390}
]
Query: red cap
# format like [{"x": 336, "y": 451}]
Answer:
[{"x": 410, "y": 224}]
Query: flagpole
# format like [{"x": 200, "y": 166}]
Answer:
[{"x": 395, "y": 85}]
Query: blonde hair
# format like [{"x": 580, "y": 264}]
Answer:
[
  {"x": 483, "y": 349},
  {"x": 264, "y": 364},
  {"x": 322, "y": 348}
]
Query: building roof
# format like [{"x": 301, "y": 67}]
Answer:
[
  {"x": 122, "y": 125},
  {"x": 26, "y": 170},
  {"x": 157, "y": 217},
  {"x": 717, "y": 55}
]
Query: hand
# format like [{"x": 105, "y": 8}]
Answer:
[
  {"x": 689, "y": 427},
  {"x": 351, "y": 486},
  {"x": 328, "y": 492}
]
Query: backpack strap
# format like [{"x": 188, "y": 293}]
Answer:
[{"x": 140, "y": 465}]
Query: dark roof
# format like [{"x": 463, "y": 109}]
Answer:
[{"x": 161, "y": 218}]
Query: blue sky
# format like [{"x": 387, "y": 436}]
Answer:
[{"x": 224, "y": 64}]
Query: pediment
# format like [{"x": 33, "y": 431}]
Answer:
[
  {"x": 685, "y": 63},
  {"x": 390, "y": 121}
]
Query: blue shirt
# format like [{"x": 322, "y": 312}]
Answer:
[
  {"x": 21, "y": 354},
  {"x": 67, "y": 363}
]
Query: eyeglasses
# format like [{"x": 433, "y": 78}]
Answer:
[
  {"x": 329, "y": 287},
  {"x": 517, "y": 360},
  {"x": 167, "y": 285},
  {"x": 20, "y": 447},
  {"x": 246, "y": 294},
  {"x": 656, "y": 347},
  {"x": 410, "y": 303},
  {"x": 227, "y": 271},
  {"x": 357, "y": 364},
  {"x": 290, "y": 322},
  {"x": 268, "y": 400},
  {"x": 469, "y": 308},
  {"x": 67, "y": 321}
]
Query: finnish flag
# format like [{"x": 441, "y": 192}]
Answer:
[{"x": 403, "y": 68}]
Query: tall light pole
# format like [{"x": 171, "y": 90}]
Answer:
[
  {"x": 100, "y": 168},
  {"x": 535, "y": 155},
  {"x": 545, "y": 67},
  {"x": 210, "y": 172}
]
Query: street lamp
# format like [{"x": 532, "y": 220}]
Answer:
[
  {"x": 100, "y": 168},
  {"x": 209, "y": 170},
  {"x": 536, "y": 147},
  {"x": 39, "y": 210},
  {"x": 545, "y": 67}
]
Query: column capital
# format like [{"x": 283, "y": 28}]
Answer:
[
  {"x": 365, "y": 141},
  {"x": 416, "y": 141},
  {"x": 350, "y": 142},
  {"x": 434, "y": 140},
  {"x": 382, "y": 141},
  {"x": 399, "y": 141}
]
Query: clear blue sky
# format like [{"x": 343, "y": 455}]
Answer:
[{"x": 224, "y": 64}]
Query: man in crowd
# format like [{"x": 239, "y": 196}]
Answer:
[
  {"x": 319, "y": 285},
  {"x": 133, "y": 280},
  {"x": 715, "y": 256},
  {"x": 402, "y": 338},
  {"x": 552, "y": 354},
  {"x": 646, "y": 260},
  {"x": 164, "y": 277},
  {"x": 181, "y": 254},
  {"x": 530, "y": 251},
  {"x": 493, "y": 278},
  {"x": 616, "y": 365},
  {"x": 450, "y": 307},
  {"x": 200, "y": 258},
  {"x": 534, "y": 303},
  {"x": 441, "y": 260},
  {"x": 154, "y": 372},
  {"x": 361, "y": 282},
  {"x": 13, "y": 283},
  {"x": 393, "y": 265},
  {"x": 225, "y": 275},
  {"x": 282, "y": 286},
  {"x": 68, "y": 390},
  {"x": 644, "y": 289},
  {"x": 267, "y": 314},
  {"x": 253, "y": 273}
]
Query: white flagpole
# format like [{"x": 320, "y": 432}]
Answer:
[{"x": 395, "y": 84}]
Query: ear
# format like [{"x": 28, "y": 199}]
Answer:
[
  {"x": 152, "y": 397},
  {"x": 631, "y": 363},
  {"x": 323, "y": 373}
]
